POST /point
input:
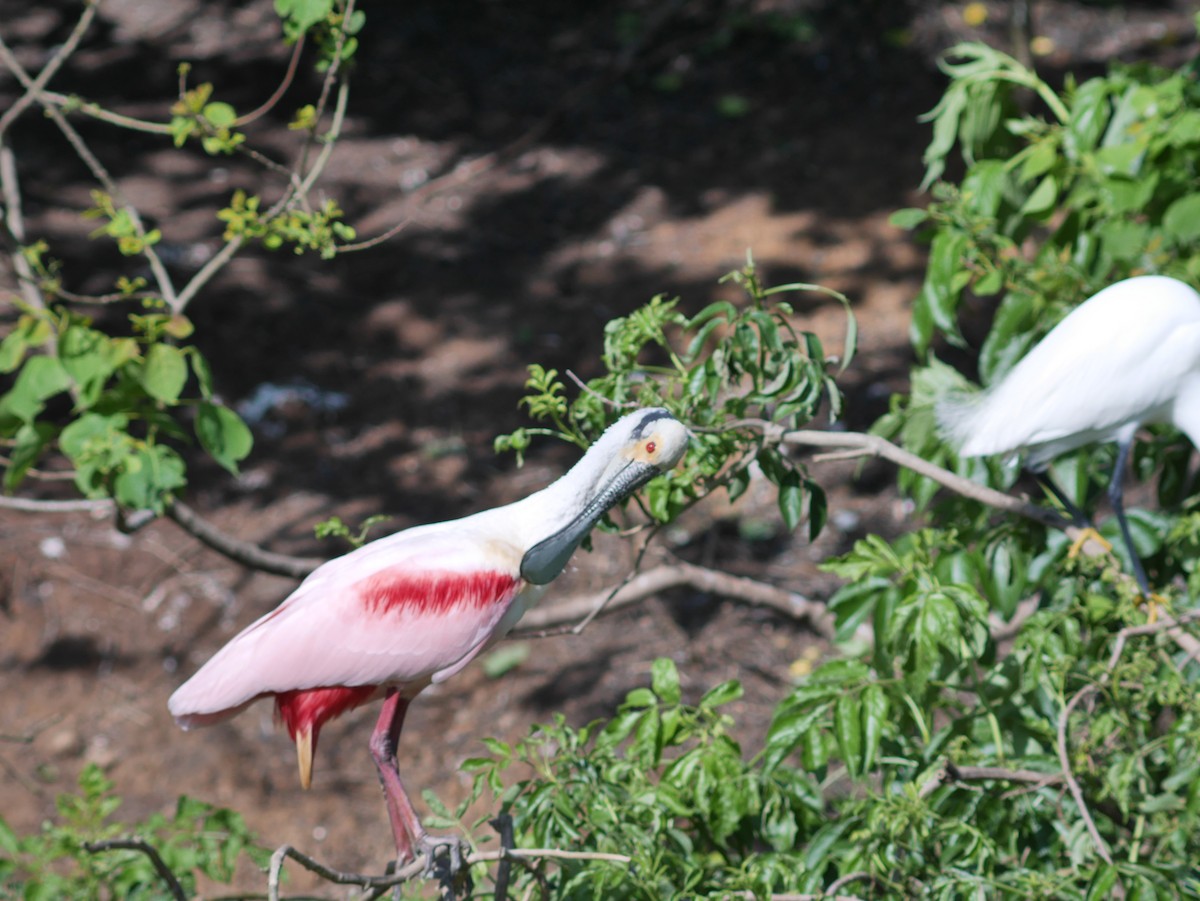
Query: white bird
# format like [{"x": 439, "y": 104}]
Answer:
[
  {"x": 396, "y": 615},
  {"x": 1127, "y": 356}
]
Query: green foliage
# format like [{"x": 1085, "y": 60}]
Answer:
[
  {"x": 732, "y": 374},
  {"x": 113, "y": 405},
  {"x": 56, "y": 862},
  {"x": 335, "y": 528},
  {"x": 663, "y": 783},
  {"x": 1104, "y": 189},
  {"x": 194, "y": 115},
  {"x": 944, "y": 762},
  {"x": 117, "y": 396},
  {"x": 302, "y": 230}
]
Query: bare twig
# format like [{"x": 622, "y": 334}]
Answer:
[
  {"x": 161, "y": 277},
  {"x": 608, "y": 402},
  {"x": 865, "y": 445},
  {"x": 14, "y": 221},
  {"x": 70, "y": 103},
  {"x": 335, "y": 876},
  {"x": 950, "y": 772},
  {"x": 34, "y": 89},
  {"x": 33, "y": 505},
  {"x": 219, "y": 260},
  {"x": 242, "y": 551},
  {"x": 1171, "y": 626},
  {"x": 378, "y": 239},
  {"x": 1073, "y": 784},
  {"x": 675, "y": 575},
  {"x": 270, "y": 102},
  {"x": 841, "y": 883},
  {"x": 136, "y": 844}
]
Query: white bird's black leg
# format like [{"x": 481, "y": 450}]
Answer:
[
  {"x": 1078, "y": 517},
  {"x": 1116, "y": 497}
]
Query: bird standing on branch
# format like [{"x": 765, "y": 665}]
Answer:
[
  {"x": 1127, "y": 356},
  {"x": 400, "y": 613}
]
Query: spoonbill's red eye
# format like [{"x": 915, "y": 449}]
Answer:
[{"x": 651, "y": 447}]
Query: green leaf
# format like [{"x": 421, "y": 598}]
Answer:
[
  {"x": 664, "y": 680},
  {"x": 1043, "y": 197},
  {"x": 88, "y": 357},
  {"x": 1181, "y": 221},
  {"x": 791, "y": 499},
  {"x": 147, "y": 476},
  {"x": 908, "y": 218},
  {"x": 31, "y": 440},
  {"x": 164, "y": 373},
  {"x": 875, "y": 707},
  {"x": 722, "y": 694},
  {"x": 39, "y": 379},
  {"x": 223, "y": 435},
  {"x": 847, "y": 730},
  {"x": 304, "y": 13},
  {"x": 220, "y": 115}
]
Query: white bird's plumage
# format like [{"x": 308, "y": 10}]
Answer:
[{"x": 1128, "y": 355}]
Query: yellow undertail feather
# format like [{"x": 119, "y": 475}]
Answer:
[{"x": 304, "y": 756}]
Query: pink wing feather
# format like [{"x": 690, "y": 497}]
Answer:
[{"x": 398, "y": 611}]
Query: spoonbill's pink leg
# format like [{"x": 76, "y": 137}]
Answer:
[{"x": 406, "y": 826}]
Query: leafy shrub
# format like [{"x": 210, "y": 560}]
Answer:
[{"x": 68, "y": 860}]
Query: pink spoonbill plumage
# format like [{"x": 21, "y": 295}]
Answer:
[{"x": 399, "y": 614}]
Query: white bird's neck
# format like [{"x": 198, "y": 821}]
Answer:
[{"x": 546, "y": 512}]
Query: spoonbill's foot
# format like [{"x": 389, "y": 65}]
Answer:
[{"x": 1083, "y": 536}]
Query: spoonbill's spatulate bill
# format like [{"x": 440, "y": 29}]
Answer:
[
  {"x": 396, "y": 615},
  {"x": 1126, "y": 356}
]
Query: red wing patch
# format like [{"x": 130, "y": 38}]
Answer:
[
  {"x": 401, "y": 590},
  {"x": 307, "y": 709}
]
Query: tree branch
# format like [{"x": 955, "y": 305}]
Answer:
[
  {"x": 676, "y": 575},
  {"x": 161, "y": 277},
  {"x": 241, "y": 551},
  {"x": 33, "y": 90},
  {"x": 865, "y": 445},
  {"x": 1073, "y": 784},
  {"x": 950, "y": 772},
  {"x": 137, "y": 844}
]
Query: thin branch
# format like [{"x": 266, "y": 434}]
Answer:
[
  {"x": 14, "y": 221},
  {"x": 864, "y": 445},
  {"x": 71, "y": 104},
  {"x": 1065, "y": 761},
  {"x": 99, "y": 172},
  {"x": 378, "y": 239},
  {"x": 242, "y": 551},
  {"x": 279, "y": 91},
  {"x": 950, "y": 772},
  {"x": 841, "y": 883},
  {"x": 335, "y": 876},
  {"x": 137, "y": 844},
  {"x": 34, "y": 89},
  {"x": 33, "y": 505},
  {"x": 676, "y": 575},
  {"x": 218, "y": 261},
  {"x": 1163, "y": 625}
]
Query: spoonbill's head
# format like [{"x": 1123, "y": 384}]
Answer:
[{"x": 633, "y": 450}]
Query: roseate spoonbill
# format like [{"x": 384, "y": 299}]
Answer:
[
  {"x": 1128, "y": 355},
  {"x": 400, "y": 613}
]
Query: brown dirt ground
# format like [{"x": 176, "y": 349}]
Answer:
[{"x": 632, "y": 190}]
